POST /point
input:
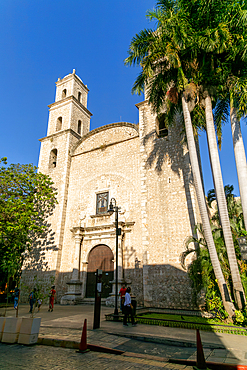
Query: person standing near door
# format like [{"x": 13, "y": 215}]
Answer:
[
  {"x": 128, "y": 308},
  {"x": 122, "y": 292}
]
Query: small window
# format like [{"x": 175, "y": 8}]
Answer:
[
  {"x": 64, "y": 93},
  {"x": 79, "y": 96},
  {"x": 59, "y": 124},
  {"x": 162, "y": 129},
  {"x": 102, "y": 203},
  {"x": 79, "y": 127},
  {"x": 53, "y": 158}
]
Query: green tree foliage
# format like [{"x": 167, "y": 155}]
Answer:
[
  {"x": 27, "y": 198},
  {"x": 201, "y": 270}
]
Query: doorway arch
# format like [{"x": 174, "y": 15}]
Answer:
[{"x": 100, "y": 257}]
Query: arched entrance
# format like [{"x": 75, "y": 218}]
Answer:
[{"x": 100, "y": 257}]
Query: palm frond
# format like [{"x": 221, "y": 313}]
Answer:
[{"x": 221, "y": 115}]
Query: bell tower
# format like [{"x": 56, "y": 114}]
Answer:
[
  {"x": 70, "y": 108},
  {"x": 69, "y": 120}
]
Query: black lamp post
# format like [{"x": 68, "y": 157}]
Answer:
[{"x": 114, "y": 208}]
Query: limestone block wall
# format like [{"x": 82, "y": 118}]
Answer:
[
  {"x": 168, "y": 285},
  {"x": 61, "y": 109},
  {"x": 103, "y": 136},
  {"x": 63, "y": 142},
  {"x": 78, "y": 86},
  {"x": 78, "y": 113},
  {"x": 169, "y": 199}
]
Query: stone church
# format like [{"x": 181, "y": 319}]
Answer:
[{"x": 146, "y": 169}]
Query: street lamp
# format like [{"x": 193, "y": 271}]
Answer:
[
  {"x": 242, "y": 242},
  {"x": 114, "y": 208}
]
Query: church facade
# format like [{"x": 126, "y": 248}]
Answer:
[{"x": 146, "y": 171}]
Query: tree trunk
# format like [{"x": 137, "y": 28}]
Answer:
[
  {"x": 221, "y": 200},
  {"x": 240, "y": 160},
  {"x": 228, "y": 305}
]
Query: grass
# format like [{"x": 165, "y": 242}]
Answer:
[
  {"x": 187, "y": 318},
  {"x": 190, "y": 322}
]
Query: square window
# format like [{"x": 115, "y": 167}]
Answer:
[{"x": 102, "y": 203}]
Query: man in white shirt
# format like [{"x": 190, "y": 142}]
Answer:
[{"x": 128, "y": 309}]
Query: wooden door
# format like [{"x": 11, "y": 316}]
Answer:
[{"x": 100, "y": 257}]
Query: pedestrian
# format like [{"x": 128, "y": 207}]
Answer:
[
  {"x": 40, "y": 301},
  {"x": 32, "y": 299},
  {"x": 128, "y": 308},
  {"x": 122, "y": 292},
  {"x": 16, "y": 298},
  {"x": 52, "y": 298}
]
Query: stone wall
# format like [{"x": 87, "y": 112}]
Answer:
[
  {"x": 169, "y": 212},
  {"x": 167, "y": 286}
]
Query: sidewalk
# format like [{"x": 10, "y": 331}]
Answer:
[{"x": 65, "y": 323}]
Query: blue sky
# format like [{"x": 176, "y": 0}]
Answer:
[{"x": 42, "y": 40}]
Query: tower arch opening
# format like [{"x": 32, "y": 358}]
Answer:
[
  {"x": 79, "y": 127},
  {"x": 53, "y": 158},
  {"x": 79, "y": 97},
  {"x": 64, "y": 93},
  {"x": 59, "y": 124}
]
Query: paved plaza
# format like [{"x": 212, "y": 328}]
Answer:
[
  {"x": 144, "y": 345},
  {"x": 46, "y": 358}
]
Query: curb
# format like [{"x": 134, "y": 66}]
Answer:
[
  {"x": 168, "y": 341},
  {"x": 145, "y": 357},
  {"x": 75, "y": 345},
  {"x": 58, "y": 343},
  {"x": 212, "y": 365}
]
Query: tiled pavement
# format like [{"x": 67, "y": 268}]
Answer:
[
  {"x": 15, "y": 357},
  {"x": 66, "y": 323}
]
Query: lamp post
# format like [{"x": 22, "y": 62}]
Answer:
[{"x": 114, "y": 208}]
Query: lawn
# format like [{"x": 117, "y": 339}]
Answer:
[
  {"x": 190, "y": 322},
  {"x": 187, "y": 318}
]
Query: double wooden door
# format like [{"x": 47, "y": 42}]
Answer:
[{"x": 100, "y": 257}]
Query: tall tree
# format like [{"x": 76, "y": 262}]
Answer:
[
  {"x": 232, "y": 103},
  {"x": 208, "y": 61},
  {"x": 215, "y": 57},
  {"x": 160, "y": 54},
  {"x": 27, "y": 198}
]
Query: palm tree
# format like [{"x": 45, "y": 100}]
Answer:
[
  {"x": 222, "y": 205},
  {"x": 218, "y": 67},
  {"x": 235, "y": 96},
  {"x": 240, "y": 159},
  {"x": 159, "y": 54},
  {"x": 210, "y": 59}
]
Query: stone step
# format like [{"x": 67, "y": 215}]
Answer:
[{"x": 90, "y": 301}]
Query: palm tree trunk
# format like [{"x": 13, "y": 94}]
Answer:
[
  {"x": 228, "y": 305},
  {"x": 240, "y": 160},
  {"x": 221, "y": 200}
]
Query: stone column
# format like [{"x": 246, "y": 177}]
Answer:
[
  {"x": 73, "y": 294},
  {"x": 77, "y": 257}
]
